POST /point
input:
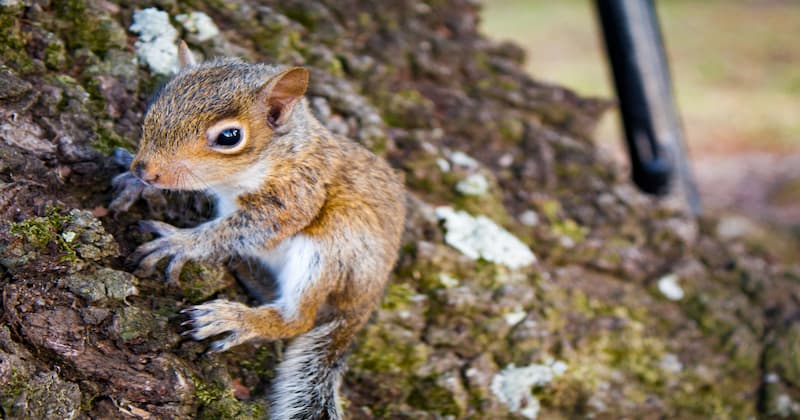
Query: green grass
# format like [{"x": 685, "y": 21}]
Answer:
[{"x": 734, "y": 64}]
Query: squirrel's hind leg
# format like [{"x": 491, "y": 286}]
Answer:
[
  {"x": 218, "y": 317},
  {"x": 243, "y": 323}
]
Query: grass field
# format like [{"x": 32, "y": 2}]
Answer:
[{"x": 735, "y": 64}]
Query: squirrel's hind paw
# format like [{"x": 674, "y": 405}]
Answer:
[{"x": 217, "y": 317}]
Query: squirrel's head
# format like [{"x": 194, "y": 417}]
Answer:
[{"x": 212, "y": 123}]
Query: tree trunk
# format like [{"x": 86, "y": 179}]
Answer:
[{"x": 630, "y": 309}]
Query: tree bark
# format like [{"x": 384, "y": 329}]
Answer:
[{"x": 593, "y": 327}]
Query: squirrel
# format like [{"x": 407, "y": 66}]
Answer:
[{"x": 319, "y": 211}]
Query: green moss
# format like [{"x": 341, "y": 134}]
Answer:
[
  {"x": 276, "y": 38},
  {"x": 550, "y": 209},
  {"x": 16, "y": 385},
  {"x": 700, "y": 307},
  {"x": 512, "y": 129},
  {"x": 262, "y": 363},
  {"x": 198, "y": 282},
  {"x": 12, "y": 40},
  {"x": 132, "y": 323},
  {"x": 106, "y": 140},
  {"x": 210, "y": 393},
  {"x": 432, "y": 396},
  {"x": 74, "y": 97},
  {"x": 302, "y": 15},
  {"x": 333, "y": 65},
  {"x": 423, "y": 174},
  {"x": 783, "y": 353},
  {"x": 55, "y": 54},
  {"x": 217, "y": 401},
  {"x": 385, "y": 359},
  {"x": 383, "y": 351},
  {"x": 135, "y": 325},
  {"x": 44, "y": 395},
  {"x": 561, "y": 225},
  {"x": 364, "y": 20},
  {"x": 406, "y": 109},
  {"x": 570, "y": 229},
  {"x": 41, "y": 231},
  {"x": 398, "y": 296},
  {"x": 101, "y": 284},
  {"x": 422, "y": 272},
  {"x": 696, "y": 398},
  {"x": 489, "y": 205},
  {"x": 639, "y": 355},
  {"x": 628, "y": 359},
  {"x": 84, "y": 26}
]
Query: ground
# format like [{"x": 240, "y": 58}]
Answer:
[{"x": 736, "y": 85}]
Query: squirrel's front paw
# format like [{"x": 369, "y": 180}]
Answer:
[
  {"x": 217, "y": 317},
  {"x": 127, "y": 187},
  {"x": 178, "y": 244}
]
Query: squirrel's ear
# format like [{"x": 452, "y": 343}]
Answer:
[
  {"x": 282, "y": 92},
  {"x": 185, "y": 57}
]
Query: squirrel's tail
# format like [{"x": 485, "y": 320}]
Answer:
[{"x": 307, "y": 382}]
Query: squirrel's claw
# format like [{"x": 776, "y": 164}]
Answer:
[
  {"x": 226, "y": 343},
  {"x": 218, "y": 317},
  {"x": 148, "y": 259},
  {"x": 174, "y": 243},
  {"x": 144, "y": 250},
  {"x": 173, "y": 271},
  {"x": 157, "y": 227}
]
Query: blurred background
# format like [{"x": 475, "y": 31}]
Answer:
[{"x": 736, "y": 72}]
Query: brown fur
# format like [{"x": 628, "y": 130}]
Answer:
[{"x": 329, "y": 189}]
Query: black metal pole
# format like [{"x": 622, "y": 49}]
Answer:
[{"x": 653, "y": 132}]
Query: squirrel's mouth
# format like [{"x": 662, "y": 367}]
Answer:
[{"x": 176, "y": 177}]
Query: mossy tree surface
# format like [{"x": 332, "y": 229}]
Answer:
[{"x": 416, "y": 83}]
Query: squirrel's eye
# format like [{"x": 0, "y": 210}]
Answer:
[{"x": 229, "y": 137}]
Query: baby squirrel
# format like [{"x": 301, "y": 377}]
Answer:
[{"x": 320, "y": 212}]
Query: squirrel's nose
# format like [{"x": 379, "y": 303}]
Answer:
[{"x": 140, "y": 170}]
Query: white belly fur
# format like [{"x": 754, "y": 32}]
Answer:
[{"x": 295, "y": 264}]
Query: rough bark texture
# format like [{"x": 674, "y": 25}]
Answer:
[{"x": 81, "y": 337}]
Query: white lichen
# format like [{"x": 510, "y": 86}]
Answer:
[
  {"x": 529, "y": 218},
  {"x": 200, "y": 24},
  {"x": 669, "y": 287},
  {"x": 671, "y": 363},
  {"x": 514, "y": 318},
  {"x": 448, "y": 281},
  {"x": 475, "y": 184},
  {"x": 506, "y": 160},
  {"x": 480, "y": 237},
  {"x": 443, "y": 165},
  {"x": 735, "y": 227},
  {"x": 156, "y": 45},
  {"x": 68, "y": 236},
  {"x": 566, "y": 242},
  {"x": 418, "y": 298},
  {"x": 786, "y": 407},
  {"x": 463, "y": 160},
  {"x": 512, "y": 385}
]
